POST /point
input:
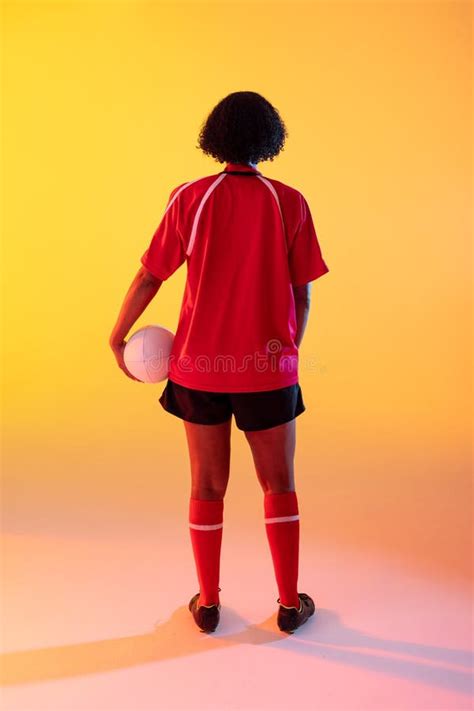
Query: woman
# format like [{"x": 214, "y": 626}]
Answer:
[{"x": 251, "y": 251}]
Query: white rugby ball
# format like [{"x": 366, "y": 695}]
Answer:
[{"x": 146, "y": 353}]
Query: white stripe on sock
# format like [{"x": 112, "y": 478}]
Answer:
[
  {"x": 280, "y": 519},
  {"x": 204, "y": 527}
]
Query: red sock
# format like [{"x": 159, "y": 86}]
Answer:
[
  {"x": 283, "y": 528},
  {"x": 205, "y": 526}
]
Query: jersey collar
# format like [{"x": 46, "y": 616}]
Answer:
[{"x": 239, "y": 167}]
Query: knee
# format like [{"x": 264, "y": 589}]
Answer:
[
  {"x": 281, "y": 481},
  {"x": 210, "y": 493},
  {"x": 278, "y": 489},
  {"x": 209, "y": 482}
]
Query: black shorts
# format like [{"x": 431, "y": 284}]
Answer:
[{"x": 252, "y": 410}]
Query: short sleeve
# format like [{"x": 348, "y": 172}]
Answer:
[
  {"x": 166, "y": 251},
  {"x": 305, "y": 260}
]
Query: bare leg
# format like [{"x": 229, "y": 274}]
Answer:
[
  {"x": 273, "y": 452},
  {"x": 209, "y": 455}
]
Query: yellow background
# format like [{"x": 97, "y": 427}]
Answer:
[{"x": 102, "y": 107}]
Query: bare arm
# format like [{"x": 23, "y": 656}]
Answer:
[
  {"x": 302, "y": 296},
  {"x": 141, "y": 291}
]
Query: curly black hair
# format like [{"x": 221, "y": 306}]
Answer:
[{"x": 243, "y": 128}]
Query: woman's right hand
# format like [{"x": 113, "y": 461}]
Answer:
[{"x": 118, "y": 348}]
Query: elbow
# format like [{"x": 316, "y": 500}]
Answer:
[{"x": 148, "y": 278}]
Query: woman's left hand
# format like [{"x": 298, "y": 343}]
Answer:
[{"x": 118, "y": 349}]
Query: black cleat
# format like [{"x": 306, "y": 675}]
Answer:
[
  {"x": 206, "y": 617},
  {"x": 289, "y": 618}
]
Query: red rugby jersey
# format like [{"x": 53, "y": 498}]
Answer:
[{"x": 246, "y": 240}]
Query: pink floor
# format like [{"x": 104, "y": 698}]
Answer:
[{"x": 96, "y": 624}]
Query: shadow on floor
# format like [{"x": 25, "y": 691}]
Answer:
[{"x": 322, "y": 636}]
